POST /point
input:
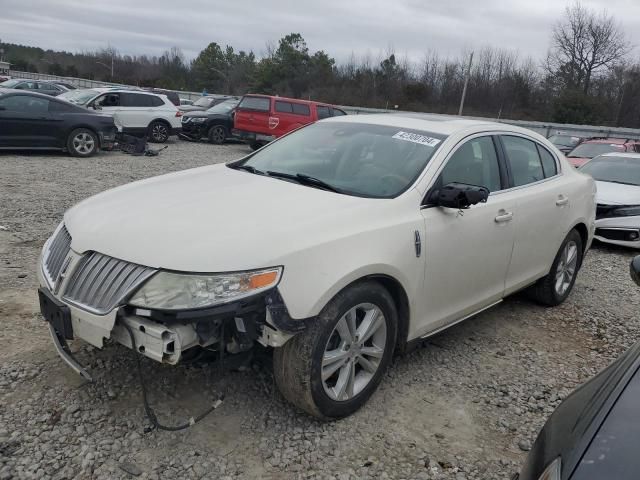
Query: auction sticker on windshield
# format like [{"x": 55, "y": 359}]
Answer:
[{"x": 416, "y": 138}]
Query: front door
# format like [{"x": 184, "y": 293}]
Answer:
[
  {"x": 467, "y": 251},
  {"x": 25, "y": 122}
]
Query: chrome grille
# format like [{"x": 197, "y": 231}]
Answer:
[
  {"x": 55, "y": 254},
  {"x": 99, "y": 282}
]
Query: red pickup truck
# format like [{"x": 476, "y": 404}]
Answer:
[{"x": 262, "y": 118}]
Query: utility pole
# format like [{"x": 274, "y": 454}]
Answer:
[{"x": 466, "y": 84}]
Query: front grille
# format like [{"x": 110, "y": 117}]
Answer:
[
  {"x": 54, "y": 255},
  {"x": 99, "y": 282}
]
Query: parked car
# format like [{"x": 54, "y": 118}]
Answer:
[
  {"x": 214, "y": 124},
  {"x": 171, "y": 95},
  {"x": 185, "y": 101},
  {"x": 594, "y": 433},
  {"x": 40, "y": 86},
  {"x": 135, "y": 112},
  {"x": 336, "y": 245},
  {"x": 260, "y": 119},
  {"x": 65, "y": 85},
  {"x": 205, "y": 103},
  {"x": 33, "y": 121},
  {"x": 597, "y": 146},
  {"x": 617, "y": 177},
  {"x": 564, "y": 142}
]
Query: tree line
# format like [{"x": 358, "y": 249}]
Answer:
[{"x": 587, "y": 77}]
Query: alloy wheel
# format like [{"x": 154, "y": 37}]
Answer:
[
  {"x": 217, "y": 135},
  {"x": 83, "y": 143},
  {"x": 566, "y": 270},
  {"x": 354, "y": 351},
  {"x": 159, "y": 132}
]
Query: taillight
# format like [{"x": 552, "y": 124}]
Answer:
[
  {"x": 273, "y": 122},
  {"x": 178, "y": 113}
]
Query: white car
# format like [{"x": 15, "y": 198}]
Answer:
[
  {"x": 135, "y": 112},
  {"x": 617, "y": 177},
  {"x": 337, "y": 245}
]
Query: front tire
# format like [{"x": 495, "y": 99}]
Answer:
[
  {"x": 158, "y": 132},
  {"x": 555, "y": 287},
  {"x": 82, "y": 143},
  {"x": 217, "y": 135},
  {"x": 332, "y": 368}
]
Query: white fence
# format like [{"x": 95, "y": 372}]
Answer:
[{"x": 544, "y": 128}]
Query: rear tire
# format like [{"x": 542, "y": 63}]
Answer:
[
  {"x": 158, "y": 131},
  {"x": 555, "y": 287},
  {"x": 82, "y": 143},
  {"x": 332, "y": 368},
  {"x": 217, "y": 134}
]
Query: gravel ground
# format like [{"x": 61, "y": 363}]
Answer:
[{"x": 467, "y": 405}]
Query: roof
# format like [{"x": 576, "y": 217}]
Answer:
[
  {"x": 288, "y": 99},
  {"x": 440, "y": 124},
  {"x": 621, "y": 155},
  {"x": 616, "y": 141}
]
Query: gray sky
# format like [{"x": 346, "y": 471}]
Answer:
[{"x": 339, "y": 27}]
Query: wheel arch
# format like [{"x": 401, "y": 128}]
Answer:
[
  {"x": 159, "y": 119},
  {"x": 582, "y": 229},
  {"x": 75, "y": 127}
]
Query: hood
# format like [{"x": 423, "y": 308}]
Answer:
[
  {"x": 214, "y": 219},
  {"x": 191, "y": 108},
  {"x": 617, "y": 194}
]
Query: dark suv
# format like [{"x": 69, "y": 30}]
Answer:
[{"x": 214, "y": 124}]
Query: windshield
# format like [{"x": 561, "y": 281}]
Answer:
[
  {"x": 564, "y": 140},
  {"x": 224, "y": 107},
  {"x": 624, "y": 170},
  {"x": 79, "y": 97},
  {"x": 203, "y": 102},
  {"x": 590, "y": 150},
  {"x": 358, "y": 159},
  {"x": 10, "y": 83}
]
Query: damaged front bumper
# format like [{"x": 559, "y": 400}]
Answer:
[{"x": 165, "y": 336}]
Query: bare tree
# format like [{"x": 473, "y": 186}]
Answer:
[{"x": 583, "y": 45}]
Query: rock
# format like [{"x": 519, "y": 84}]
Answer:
[
  {"x": 131, "y": 468},
  {"x": 524, "y": 445}
]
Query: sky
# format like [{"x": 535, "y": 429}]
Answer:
[{"x": 339, "y": 27}]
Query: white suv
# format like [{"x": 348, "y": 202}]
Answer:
[
  {"x": 134, "y": 112},
  {"x": 335, "y": 246}
]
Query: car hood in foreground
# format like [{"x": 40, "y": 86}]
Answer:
[
  {"x": 617, "y": 194},
  {"x": 214, "y": 219}
]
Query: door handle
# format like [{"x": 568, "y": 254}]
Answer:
[
  {"x": 503, "y": 216},
  {"x": 562, "y": 200}
]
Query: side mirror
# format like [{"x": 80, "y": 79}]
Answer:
[
  {"x": 95, "y": 106},
  {"x": 459, "y": 195},
  {"x": 634, "y": 270}
]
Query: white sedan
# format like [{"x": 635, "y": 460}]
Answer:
[
  {"x": 617, "y": 178},
  {"x": 336, "y": 246}
]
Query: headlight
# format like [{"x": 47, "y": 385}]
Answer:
[
  {"x": 552, "y": 472},
  {"x": 173, "y": 291},
  {"x": 197, "y": 119},
  {"x": 626, "y": 211}
]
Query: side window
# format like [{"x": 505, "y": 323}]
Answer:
[
  {"x": 135, "y": 100},
  {"x": 323, "y": 112},
  {"x": 58, "y": 107},
  {"x": 337, "y": 112},
  {"x": 474, "y": 163},
  {"x": 524, "y": 161},
  {"x": 156, "y": 102},
  {"x": 262, "y": 104},
  {"x": 109, "y": 100},
  {"x": 47, "y": 87},
  {"x": 300, "y": 109},
  {"x": 548, "y": 162},
  {"x": 25, "y": 104},
  {"x": 284, "y": 107}
]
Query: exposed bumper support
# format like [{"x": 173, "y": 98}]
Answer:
[{"x": 63, "y": 350}]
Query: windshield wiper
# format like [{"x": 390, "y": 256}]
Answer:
[
  {"x": 305, "y": 180},
  {"x": 247, "y": 168}
]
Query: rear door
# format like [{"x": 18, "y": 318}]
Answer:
[
  {"x": 25, "y": 121},
  {"x": 541, "y": 215},
  {"x": 252, "y": 115},
  {"x": 136, "y": 109},
  {"x": 289, "y": 116}
]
